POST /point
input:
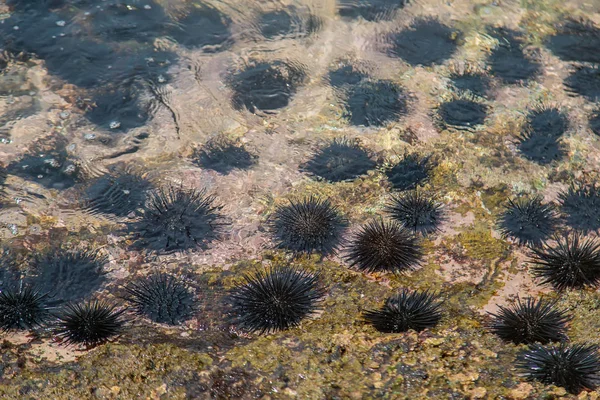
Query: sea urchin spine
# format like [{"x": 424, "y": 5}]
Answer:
[
  {"x": 89, "y": 324},
  {"x": 276, "y": 299},
  {"x": 406, "y": 310},
  {"x": 163, "y": 298},
  {"x": 573, "y": 262},
  {"x": 22, "y": 309},
  {"x": 309, "y": 225},
  {"x": 416, "y": 211},
  {"x": 177, "y": 219},
  {"x": 528, "y": 221},
  {"x": 575, "y": 367},
  {"x": 530, "y": 321}
]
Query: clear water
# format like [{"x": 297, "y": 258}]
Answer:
[{"x": 103, "y": 102}]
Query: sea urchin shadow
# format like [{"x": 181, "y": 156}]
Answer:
[
  {"x": 265, "y": 86},
  {"x": 310, "y": 225},
  {"x": 462, "y": 113},
  {"x": 276, "y": 299},
  {"x": 68, "y": 275},
  {"x": 162, "y": 298},
  {"x": 339, "y": 161},
  {"x": 224, "y": 155},
  {"x": 425, "y": 42},
  {"x": 176, "y": 219},
  {"x": 374, "y": 103}
]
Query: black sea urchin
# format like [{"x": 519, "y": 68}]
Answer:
[
  {"x": 341, "y": 160},
  {"x": 176, "y": 219},
  {"x": 411, "y": 171},
  {"x": 370, "y": 10},
  {"x": 384, "y": 247},
  {"x": 573, "y": 262},
  {"x": 276, "y": 299},
  {"x": 23, "y": 308},
  {"x": 543, "y": 129},
  {"x": 530, "y": 321},
  {"x": 581, "y": 207},
  {"x": 528, "y": 220},
  {"x": 576, "y": 41},
  {"x": 161, "y": 297},
  {"x": 265, "y": 86},
  {"x": 574, "y": 367},
  {"x": 425, "y": 42},
  {"x": 309, "y": 225},
  {"x": 345, "y": 74},
  {"x": 89, "y": 324},
  {"x": 417, "y": 211},
  {"x": 374, "y": 103},
  {"x": 584, "y": 81},
  {"x": 118, "y": 194},
  {"x": 406, "y": 310},
  {"x": 508, "y": 61},
  {"x": 224, "y": 155},
  {"x": 470, "y": 80},
  {"x": 462, "y": 113},
  {"x": 68, "y": 275},
  {"x": 593, "y": 122}
]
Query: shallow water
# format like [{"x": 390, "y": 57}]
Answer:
[{"x": 109, "y": 107}]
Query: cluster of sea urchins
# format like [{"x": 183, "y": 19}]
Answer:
[{"x": 561, "y": 258}]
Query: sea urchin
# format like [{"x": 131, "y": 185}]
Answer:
[
  {"x": 406, "y": 310},
  {"x": 276, "y": 299},
  {"x": 575, "y": 367},
  {"x": 161, "y": 297},
  {"x": 22, "y": 309},
  {"x": 570, "y": 263},
  {"x": 581, "y": 207},
  {"x": 416, "y": 211},
  {"x": 530, "y": 321},
  {"x": 528, "y": 221},
  {"x": 176, "y": 219},
  {"x": 89, "y": 324},
  {"x": 309, "y": 225},
  {"x": 384, "y": 247}
]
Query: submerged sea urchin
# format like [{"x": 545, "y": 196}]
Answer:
[
  {"x": 161, "y": 297},
  {"x": 574, "y": 367},
  {"x": 68, "y": 275},
  {"x": 22, "y": 309},
  {"x": 581, "y": 207},
  {"x": 341, "y": 160},
  {"x": 309, "y": 225},
  {"x": 573, "y": 262},
  {"x": 89, "y": 324},
  {"x": 462, "y": 113},
  {"x": 411, "y": 171},
  {"x": 176, "y": 219},
  {"x": 406, "y": 310},
  {"x": 528, "y": 220},
  {"x": 224, "y": 155},
  {"x": 276, "y": 299},
  {"x": 118, "y": 194},
  {"x": 384, "y": 247},
  {"x": 530, "y": 321},
  {"x": 416, "y": 211}
]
